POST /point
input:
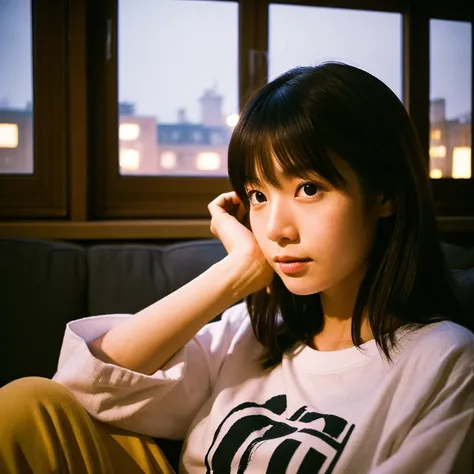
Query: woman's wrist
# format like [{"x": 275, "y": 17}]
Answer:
[{"x": 243, "y": 274}]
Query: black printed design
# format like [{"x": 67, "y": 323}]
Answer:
[{"x": 258, "y": 438}]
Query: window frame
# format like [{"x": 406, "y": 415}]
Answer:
[
  {"x": 453, "y": 197},
  {"x": 119, "y": 196},
  {"x": 76, "y": 190},
  {"x": 43, "y": 194}
]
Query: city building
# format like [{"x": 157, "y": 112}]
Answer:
[
  {"x": 16, "y": 141},
  {"x": 137, "y": 142},
  {"x": 183, "y": 148},
  {"x": 450, "y": 143}
]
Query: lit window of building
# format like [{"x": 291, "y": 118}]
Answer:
[
  {"x": 129, "y": 131},
  {"x": 436, "y": 135},
  {"x": 208, "y": 161},
  {"x": 168, "y": 160},
  {"x": 436, "y": 173},
  {"x": 129, "y": 159},
  {"x": 438, "y": 151},
  {"x": 232, "y": 120},
  {"x": 462, "y": 162},
  {"x": 8, "y": 135}
]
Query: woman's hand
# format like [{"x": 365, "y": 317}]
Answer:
[{"x": 227, "y": 216}]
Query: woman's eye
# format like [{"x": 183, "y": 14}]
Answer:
[
  {"x": 256, "y": 197},
  {"x": 308, "y": 189}
]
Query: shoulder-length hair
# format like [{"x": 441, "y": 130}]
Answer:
[{"x": 301, "y": 119}]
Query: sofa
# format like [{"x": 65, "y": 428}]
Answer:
[{"x": 44, "y": 284}]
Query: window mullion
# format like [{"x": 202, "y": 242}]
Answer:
[
  {"x": 416, "y": 71},
  {"x": 253, "y": 46}
]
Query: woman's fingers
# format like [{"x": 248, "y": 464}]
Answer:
[
  {"x": 228, "y": 203},
  {"x": 230, "y": 224},
  {"x": 225, "y": 202},
  {"x": 228, "y": 221}
]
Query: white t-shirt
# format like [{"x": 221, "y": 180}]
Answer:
[{"x": 347, "y": 411}]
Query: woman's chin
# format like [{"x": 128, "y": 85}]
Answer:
[{"x": 300, "y": 288}]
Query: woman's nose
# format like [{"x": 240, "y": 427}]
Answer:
[{"x": 281, "y": 224}]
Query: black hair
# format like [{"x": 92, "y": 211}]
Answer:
[{"x": 301, "y": 119}]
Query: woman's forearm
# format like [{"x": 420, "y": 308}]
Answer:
[{"x": 146, "y": 340}]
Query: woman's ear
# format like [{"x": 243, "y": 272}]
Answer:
[{"x": 386, "y": 206}]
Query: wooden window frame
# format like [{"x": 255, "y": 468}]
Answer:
[
  {"x": 43, "y": 194},
  {"x": 453, "y": 197},
  {"x": 117, "y": 196},
  {"x": 76, "y": 190}
]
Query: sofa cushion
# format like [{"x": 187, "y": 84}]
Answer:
[
  {"x": 42, "y": 287},
  {"x": 465, "y": 293},
  {"x": 458, "y": 257},
  {"x": 125, "y": 278},
  {"x": 461, "y": 261},
  {"x": 185, "y": 261}
]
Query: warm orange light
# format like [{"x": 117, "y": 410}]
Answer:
[
  {"x": 438, "y": 151},
  {"x": 129, "y": 131},
  {"x": 462, "y": 162},
  {"x": 436, "y": 135},
  {"x": 232, "y": 120},
  {"x": 436, "y": 173},
  {"x": 168, "y": 160},
  {"x": 8, "y": 135},
  {"x": 208, "y": 161},
  {"x": 129, "y": 159}
]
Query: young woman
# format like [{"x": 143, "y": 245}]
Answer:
[{"x": 347, "y": 355}]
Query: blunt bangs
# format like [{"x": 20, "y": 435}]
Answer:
[{"x": 275, "y": 126}]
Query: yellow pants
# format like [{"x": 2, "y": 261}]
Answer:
[{"x": 44, "y": 429}]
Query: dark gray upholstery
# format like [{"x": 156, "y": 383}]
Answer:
[
  {"x": 459, "y": 258},
  {"x": 465, "y": 293},
  {"x": 185, "y": 261},
  {"x": 45, "y": 284},
  {"x": 125, "y": 278},
  {"x": 42, "y": 286}
]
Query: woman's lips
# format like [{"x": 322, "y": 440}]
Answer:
[{"x": 295, "y": 266}]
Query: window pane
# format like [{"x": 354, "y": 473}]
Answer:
[
  {"x": 16, "y": 88},
  {"x": 301, "y": 35},
  {"x": 178, "y": 86},
  {"x": 450, "y": 99}
]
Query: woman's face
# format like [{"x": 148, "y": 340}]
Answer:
[{"x": 316, "y": 238}]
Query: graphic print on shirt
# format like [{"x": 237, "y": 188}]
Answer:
[{"x": 258, "y": 438}]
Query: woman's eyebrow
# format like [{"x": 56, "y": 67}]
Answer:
[
  {"x": 301, "y": 173},
  {"x": 286, "y": 175},
  {"x": 252, "y": 181}
]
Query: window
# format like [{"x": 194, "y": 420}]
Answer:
[
  {"x": 450, "y": 99},
  {"x": 122, "y": 110},
  {"x": 180, "y": 76},
  {"x": 302, "y": 35},
  {"x": 175, "y": 78},
  {"x": 16, "y": 88},
  {"x": 33, "y": 111},
  {"x": 450, "y": 114}
]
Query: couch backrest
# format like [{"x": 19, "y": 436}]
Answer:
[
  {"x": 126, "y": 278},
  {"x": 45, "y": 284}
]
